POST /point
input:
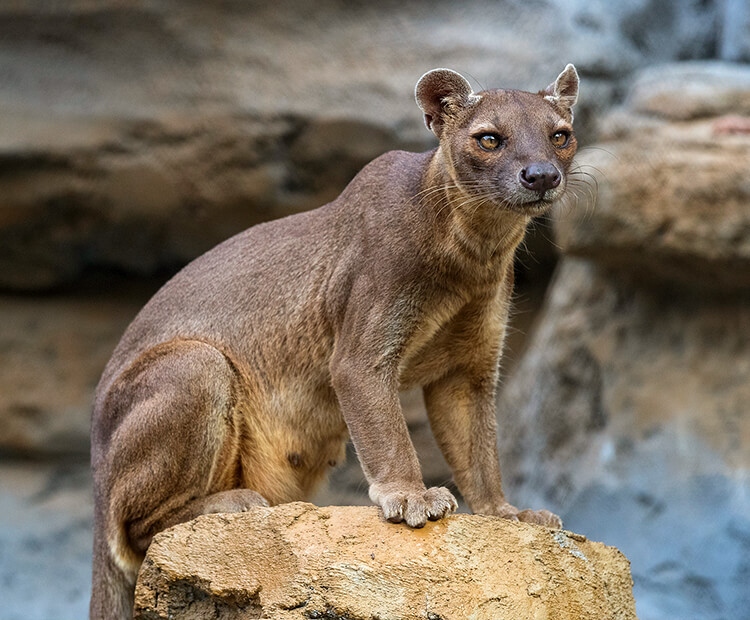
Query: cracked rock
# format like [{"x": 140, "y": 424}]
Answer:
[{"x": 298, "y": 561}]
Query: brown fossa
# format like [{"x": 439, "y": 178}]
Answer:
[{"x": 238, "y": 383}]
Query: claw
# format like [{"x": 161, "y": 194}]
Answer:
[{"x": 415, "y": 507}]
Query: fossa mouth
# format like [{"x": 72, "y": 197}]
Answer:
[
  {"x": 535, "y": 207},
  {"x": 535, "y": 203}
]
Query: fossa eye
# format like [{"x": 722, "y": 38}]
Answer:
[
  {"x": 489, "y": 141},
  {"x": 560, "y": 139}
]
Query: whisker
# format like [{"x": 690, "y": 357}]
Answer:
[{"x": 599, "y": 148}]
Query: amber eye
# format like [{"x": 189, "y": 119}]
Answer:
[
  {"x": 488, "y": 141},
  {"x": 560, "y": 139}
]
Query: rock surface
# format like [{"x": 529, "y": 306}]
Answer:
[
  {"x": 684, "y": 91},
  {"x": 613, "y": 363},
  {"x": 671, "y": 191},
  {"x": 52, "y": 352},
  {"x": 46, "y": 518},
  {"x": 133, "y": 137},
  {"x": 299, "y": 561},
  {"x": 628, "y": 414}
]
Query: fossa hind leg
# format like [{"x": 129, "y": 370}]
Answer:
[
  {"x": 463, "y": 415},
  {"x": 461, "y": 409},
  {"x": 167, "y": 452}
]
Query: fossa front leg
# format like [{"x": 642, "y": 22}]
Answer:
[
  {"x": 370, "y": 406},
  {"x": 461, "y": 410}
]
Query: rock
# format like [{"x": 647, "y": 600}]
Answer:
[
  {"x": 147, "y": 200},
  {"x": 46, "y": 514},
  {"x": 735, "y": 31},
  {"x": 732, "y": 124},
  {"x": 133, "y": 137},
  {"x": 676, "y": 29},
  {"x": 628, "y": 416},
  {"x": 52, "y": 351},
  {"x": 671, "y": 195},
  {"x": 299, "y": 561},
  {"x": 688, "y": 90},
  {"x": 628, "y": 412}
]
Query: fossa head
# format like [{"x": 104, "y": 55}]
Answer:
[{"x": 513, "y": 147}]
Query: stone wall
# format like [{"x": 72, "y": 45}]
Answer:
[
  {"x": 133, "y": 136},
  {"x": 629, "y": 412}
]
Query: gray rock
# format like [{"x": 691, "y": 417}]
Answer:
[
  {"x": 688, "y": 90},
  {"x": 670, "y": 190},
  {"x": 735, "y": 31},
  {"x": 628, "y": 415},
  {"x": 52, "y": 351},
  {"x": 45, "y": 540},
  {"x": 134, "y": 137}
]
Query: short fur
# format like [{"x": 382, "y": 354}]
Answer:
[{"x": 238, "y": 383}]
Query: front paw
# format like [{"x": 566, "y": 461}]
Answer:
[{"x": 413, "y": 505}]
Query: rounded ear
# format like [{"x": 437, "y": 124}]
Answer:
[
  {"x": 441, "y": 93},
  {"x": 563, "y": 92}
]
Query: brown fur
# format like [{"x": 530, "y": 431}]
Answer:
[{"x": 238, "y": 382}]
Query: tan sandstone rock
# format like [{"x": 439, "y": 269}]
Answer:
[
  {"x": 299, "y": 561},
  {"x": 52, "y": 351},
  {"x": 134, "y": 137},
  {"x": 671, "y": 190},
  {"x": 688, "y": 90},
  {"x": 676, "y": 210}
]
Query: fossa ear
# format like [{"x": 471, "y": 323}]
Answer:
[
  {"x": 442, "y": 93},
  {"x": 563, "y": 92}
]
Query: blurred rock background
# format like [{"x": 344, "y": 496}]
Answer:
[{"x": 136, "y": 135}]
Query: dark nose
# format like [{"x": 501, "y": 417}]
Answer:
[{"x": 540, "y": 176}]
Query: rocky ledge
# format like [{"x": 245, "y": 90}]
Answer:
[{"x": 300, "y": 561}]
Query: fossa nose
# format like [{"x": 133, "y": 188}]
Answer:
[{"x": 540, "y": 176}]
